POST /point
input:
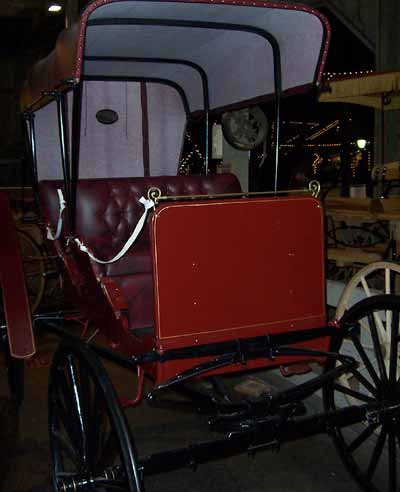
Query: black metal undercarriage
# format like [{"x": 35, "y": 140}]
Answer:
[{"x": 246, "y": 425}]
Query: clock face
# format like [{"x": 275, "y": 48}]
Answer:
[{"x": 245, "y": 129}]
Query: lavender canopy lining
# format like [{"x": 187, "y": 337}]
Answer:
[
  {"x": 252, "y": 77},
  {"x": 116, "y": 150},
  {"x": 236, "y": 58},
  {"x": 239, "y": 65}
]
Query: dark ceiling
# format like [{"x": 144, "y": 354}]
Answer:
[{"x": 27, "y": 28}]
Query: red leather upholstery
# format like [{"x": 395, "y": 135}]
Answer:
[
  {"x": 108, "y": 210},
  {"x": 107, "y": 213}
]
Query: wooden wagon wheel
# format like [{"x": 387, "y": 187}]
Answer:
[
  {"x": 370, "y": 450},
  {"x": 376, "y": 278},
  {"x": 34, "y": 268},
  {"x": 380, "y": 277},
  {"x": 92, "y": 448}
]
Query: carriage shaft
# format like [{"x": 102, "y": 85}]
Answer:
[{"x": 259, "y": 435}]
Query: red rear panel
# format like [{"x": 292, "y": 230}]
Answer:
[
  {"x": 237, "y": 268},
  {"x": 12, "y": 286}
]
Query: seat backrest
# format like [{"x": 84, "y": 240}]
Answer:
[{"x": 108, "y": 209}]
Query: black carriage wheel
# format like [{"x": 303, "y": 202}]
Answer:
[
  {"x": 370, "y": 450},
  {"x": 92, "y": 448},
  {"x": 15, "y": 368}
]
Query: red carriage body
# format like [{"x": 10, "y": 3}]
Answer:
[{"x": 201, "y": 272}]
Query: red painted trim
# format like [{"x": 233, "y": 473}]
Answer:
[
  {"x": 244, "y": 3},
  {"x": 12, "y": 282}
]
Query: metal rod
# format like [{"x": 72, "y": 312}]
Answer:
[
  {"x": 207, "y": 143},
  {"x": 177, "y": 87},
  {"x": 171, "y": 61},
  {"x": 50, "y": 324},
  {"x": 29, "y": 119},
  {"x": 250, "y": 348},
  {"x": 155, "y": 194},
  {"x": 246, "y": 348},
  {"x": 63, "y": 136},
  {"x": 278, "y": 95},
  {"x": 75, "y": 151},
  {"x": 205, "y": 25},
  {"x": 71, "y": 12}
]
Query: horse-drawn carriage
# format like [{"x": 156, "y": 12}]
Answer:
[{"x": 188, "y": 277}]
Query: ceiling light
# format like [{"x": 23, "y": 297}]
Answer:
[{"x": 55, "y": 7}]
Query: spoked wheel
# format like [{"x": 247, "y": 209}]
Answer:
[
  {"x": 380, "y": 277},
  {"x": 34, "y": 269},
  {"x": 370, "y": 449},
  {"x": 92, "y": 448}
]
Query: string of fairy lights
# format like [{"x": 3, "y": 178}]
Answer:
[
  {"x": 291, "y": 143},
  {"x": 187, "y": 160},
  {"x": 330, "y": 75}
]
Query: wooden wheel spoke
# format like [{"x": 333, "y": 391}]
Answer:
[
  {"x": 377, "y": 347},
  {"x": 377, "y": 453},
  {"x": 365, "y": 286},
  {"x": 365, "y": 382},
  {"x": 367, "y": 363},
  {"x": 394, "y": 334},
  {"x": 350, "y": 392},
  {"x": 358, "y": 441}
]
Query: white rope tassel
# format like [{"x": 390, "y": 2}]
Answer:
[
  {"x": 148, "y": 204},
  {"x": 62, "y": 205}
]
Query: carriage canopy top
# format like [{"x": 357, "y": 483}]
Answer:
[
  {"x": 376, "y": 90},
  {"x": 219, "y": 53}
]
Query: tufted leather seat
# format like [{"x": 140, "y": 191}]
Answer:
[{"x": 108, "y": 210}]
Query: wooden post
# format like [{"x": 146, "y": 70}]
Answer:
[{"x": 71, "y": 12}]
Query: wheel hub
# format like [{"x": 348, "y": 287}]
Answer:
[{"x": 388, "y": 411}]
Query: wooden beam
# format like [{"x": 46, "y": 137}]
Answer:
[{"x": 71, "y": 12}]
